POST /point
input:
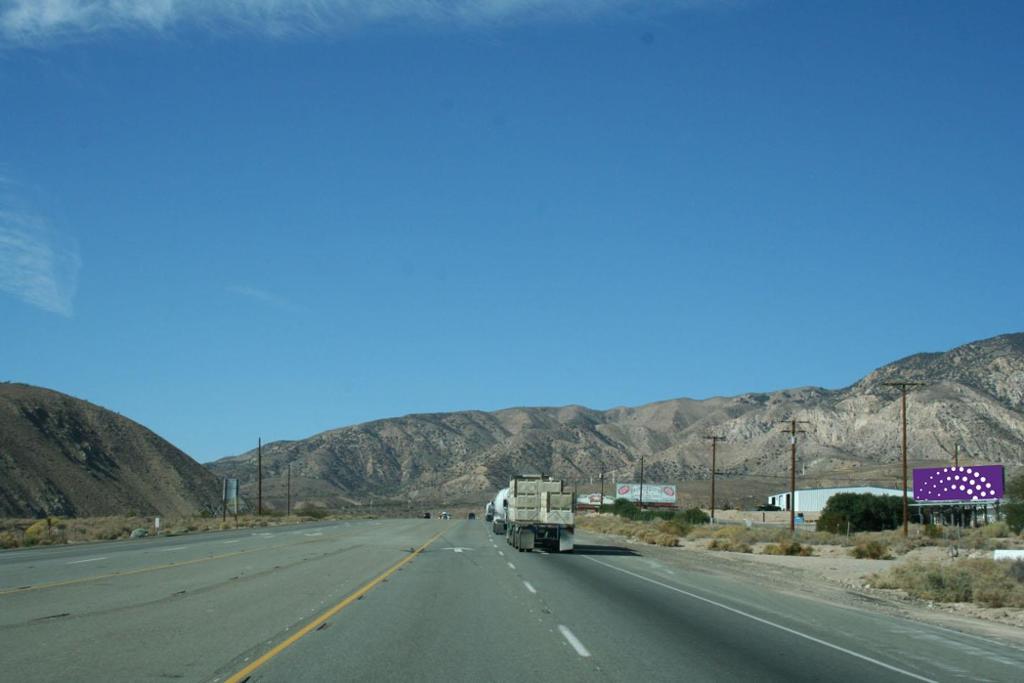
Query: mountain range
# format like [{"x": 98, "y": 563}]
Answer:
[
  {"x": 60, "y": 455},
  {"x": 63, "y": 455},
  {"x": 972, "y": 396}
]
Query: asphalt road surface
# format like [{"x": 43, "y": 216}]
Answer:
[{"x": 430, "y": 600}]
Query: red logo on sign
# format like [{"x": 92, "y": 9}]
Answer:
[
  {"x": 623, "y": 490},
  {"x": 669, "y": 491}
]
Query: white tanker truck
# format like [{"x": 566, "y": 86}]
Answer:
[
  {"x": 535, "y": 511},
  {"x": 496, "y": 511}
]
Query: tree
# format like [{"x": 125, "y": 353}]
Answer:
[
  {"x": 861, "y": 512},
  {"x": 1014, "y": 507}
]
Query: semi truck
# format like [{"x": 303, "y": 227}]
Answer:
[{"x": 538, "y": 513}]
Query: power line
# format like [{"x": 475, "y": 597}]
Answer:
[
  {"x": 714, "y": 439},
  {"x": 793, "y": 431},
  {"x": 903, "y": 385}
]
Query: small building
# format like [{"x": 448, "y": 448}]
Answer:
[{"x": 814, "y": 500}]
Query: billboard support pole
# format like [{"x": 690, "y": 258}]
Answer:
[
  {"x": 641, "y": 482},
  {"x": 600, "y": 506}
]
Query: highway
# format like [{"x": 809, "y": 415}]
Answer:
[{"x": 428, "y": 600}]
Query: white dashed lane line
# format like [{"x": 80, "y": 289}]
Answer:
[
  {"x": 171, "y": 550},
  {"x": 90, "y": 559},
  {"x": 529, "y": 587},
  {"x": 574, "y": 641},
  {"x": 511, "y": 566},
  {"x": 501, "y": 553}
]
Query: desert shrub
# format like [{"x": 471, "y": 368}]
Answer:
[
  {"x": 932, "y": 531},
  {"x": 8, "y": 540},
  {"x": 870, "y": 550},
  {"x": 313, "y": 512},
  {"x": 693, "y": 516},
  {"x": 623, "y": 508},
  {"x": 729, "y": 545},
  {"x": 788, "y": 548},
  {"x": 996, "y": 530},
  {"x": 821, "y": 537},
  {"x": 675, "y": 526},
  {"x": 983, "y": 581},
  {"x": 655, "y": 537},
  {"x": 861, "y": 512}
]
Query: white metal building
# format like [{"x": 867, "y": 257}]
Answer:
[{"x": 813, "y": 500}]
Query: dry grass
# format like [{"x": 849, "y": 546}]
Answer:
[
  {"x": 982, "y": 581},
  {"x": 17, "y": 533},
  {"x": 740, "y": 538},
  {"x": 871, "y": 550},
  {"x": 655, "y": 532},
  {"x": 788, "y": 547},
  {"x": 729, "y": 545}
]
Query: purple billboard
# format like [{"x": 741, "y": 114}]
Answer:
[{"x": 977, "y": 482}]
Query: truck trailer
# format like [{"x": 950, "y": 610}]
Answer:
[{"x": 538, "y": 513}]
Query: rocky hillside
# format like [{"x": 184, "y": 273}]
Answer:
[
  {"x": 64, "y": 456},
  {"x": 973, "y": 395}
]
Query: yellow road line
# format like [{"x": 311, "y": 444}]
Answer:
[
  {"x": 292, "y": 639},
  {"x": 169, "y": 565}
]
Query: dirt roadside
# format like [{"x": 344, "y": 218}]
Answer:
[{"x": 833, "y": 576}]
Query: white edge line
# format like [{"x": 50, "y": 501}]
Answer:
[
  {"x": 780, "y": 627},
  {"x": 574, "y": 641},
  {"x": 529, "y": 587},
  {"x": 91, "y": 559}
]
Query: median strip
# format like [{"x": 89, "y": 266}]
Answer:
[
  {"x": 316, "y": 623},
  {"x": 132, "y": 572}
]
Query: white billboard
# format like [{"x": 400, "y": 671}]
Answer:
[
  {"x": 655, "y": 494},
  {"x": 593, "y": 500}
]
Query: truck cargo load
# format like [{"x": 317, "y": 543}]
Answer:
[{"x": 538, "y": 512}]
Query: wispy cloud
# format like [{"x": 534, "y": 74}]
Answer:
[
  {"x": 260, "y": 295},
  {"x": 37, "y": 264},
  {"x": 27, "y": 22}
]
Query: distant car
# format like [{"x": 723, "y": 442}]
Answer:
[
  {"x": 426, "y": 515},
  {"x": 472, "y": 515},
  {"x": 445, "y": 515},
  {"x": 768, "y": 508}
]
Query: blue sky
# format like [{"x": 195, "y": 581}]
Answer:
[{"x": 231, "y": 219}]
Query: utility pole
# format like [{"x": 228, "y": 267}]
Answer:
[
  {"x": 793, "y": 431},
  {"x": 956, "y": 455},
  {"x": 714, "y": 439},
  {"x": 600, "y": 506},
  {"x": 259, "y": 477},
  {"x": 903, "y": 411},
  {"x": 289, "y": 513},
  {"x": 641, "y": 482}
]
